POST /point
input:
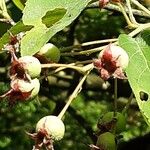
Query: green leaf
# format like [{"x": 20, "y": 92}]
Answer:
[
  {"x": 19, "y": 3},
  {"x": 47, "y": 18},
  {"x": 144, "y": 42},
  {"x": 19, "y": 27},
  {"x": 53, "y": 16},
  {"x": 138, "y": 70}
]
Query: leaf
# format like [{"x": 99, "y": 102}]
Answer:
[
  {"x": 19, "y": 27},
  {"x": 47, "y": 18},
  {"x": 144, "y": 42},
  {"x": 19, "y": 3},
  {"x": 52, "y": 17},
  {"x": 138, "y": 70}
]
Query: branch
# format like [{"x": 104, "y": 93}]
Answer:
[
  {"x": 113, "y": 7},
  {"x": 78, "y": 46},
  {"x": 4, "y": 13},
  {"x": 135, "y": 2},
  {"x": 130, "y": 12},
  {"x": 73, "y": 95},
  {"x": 71, "y": 66},
  {"x": 139, "y": 29},
  {"x": 85, "y": 52},
  {"x": 130, "y": 24}
]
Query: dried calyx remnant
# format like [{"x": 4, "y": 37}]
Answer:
[
  {"x": 48, "y": 129},
  {"x": 103, "y": 3},
  {"x": 23, "y": 72},
  {"x": 111, "y": 62}
]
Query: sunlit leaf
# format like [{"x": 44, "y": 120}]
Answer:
[
  {"x": 49, "y": 18},
  {"x": 138, "y": 71}
]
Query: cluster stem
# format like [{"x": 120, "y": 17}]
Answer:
[{"x": 73, "y": 95}]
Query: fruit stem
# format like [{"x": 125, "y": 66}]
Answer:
[
  {"x": 64, "y": 66},
  {"x": 128, "y": 104},
  {"x": 114, "y": 7},
  {"x": 130, "y": 12},
  {"x": 130, "y": 24},
  {"x": 115, "y": 96},
  {"x": 4, "y": 13},
  {"x": 139, "y": 29},
  {"x": 73, "y": 95},
  {"x": 82, "y": 70},
  {"x": 135, "y": 2},
  {"x": 78, "y": 46},
  {"x": 98, "y": 42},
  {"x": 85, "y": 52}
]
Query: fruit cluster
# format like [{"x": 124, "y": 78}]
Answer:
[
  {"x": 24, "y": 71},
  {"x": 24, "y": 84},
  {"x": 109, "y": 126},
  {"x": 23, "y": 74}
]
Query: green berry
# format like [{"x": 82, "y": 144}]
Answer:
[
  {"x": 120, "y": 54},
  {"x": 120, "y": 125},
  {"x": 26, "y": 86},
  {"x": 53, "y": 126},
  {"x": 106, "y": 141},
  {"x": 32, "y": 65},
  {"x": 51, "y": 52},
  {"x": 36, "y": 87}
]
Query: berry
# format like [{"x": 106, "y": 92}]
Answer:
[
  {"x": 111, "y": 62},
  {"x": 21, "y": 90},
  {"x": 31, "y": 64},
  {"x": 106, "y": 141},
  {"x": 23, "y": 86},
  {"x": 50, "y": 52},
  {"x": 53, "y": 126},
  {"x": 120, "y": 124},
  {"x": 36, "y": 87}
]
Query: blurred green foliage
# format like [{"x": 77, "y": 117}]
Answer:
[{"x": 85, "y": 110}]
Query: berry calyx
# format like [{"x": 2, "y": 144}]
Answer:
[
  {"x": 50, "y": 52},
  {"x": 118, "y": 54},
  {"x": 31, "y": 65},
  {"x": 120, "y": 123},
  {"x": 106, "y": 141},
  {"x": 53, "y": 126},
  {"x": 103, "y": 3}
]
